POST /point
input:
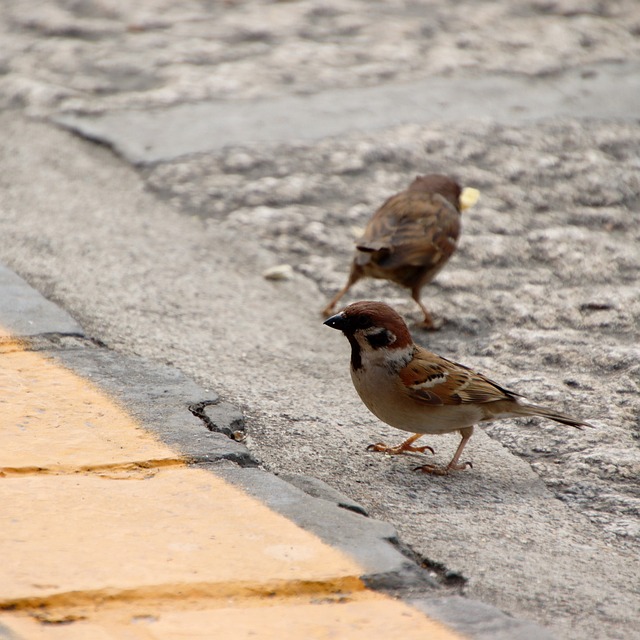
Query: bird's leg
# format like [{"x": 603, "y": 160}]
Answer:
[
  {"x": 405, "y": 446},
  {"x": 454, "y": 465},
  {"x": 354, "y": 276},
  {"x": 428, "y": 322}
]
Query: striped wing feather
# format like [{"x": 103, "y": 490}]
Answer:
[{"x": 433, "y": 380}]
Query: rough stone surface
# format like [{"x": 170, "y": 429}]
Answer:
[
  {"x": 106, "y": 54},
  {"x": 541, "y": 295}
]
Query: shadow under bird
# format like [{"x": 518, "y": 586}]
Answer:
[
  {"x": 411, "y": 237},
  {"x": 415, "y": 390}
]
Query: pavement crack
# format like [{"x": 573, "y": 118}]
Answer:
[
  {"x": 449, "y": 578},
  {"x": 432, "y": 570},
  {"x": 52, "y": 341},
  {"x": 70, "y": 605},
  {"x": 224, "y": 418},
  {"x": 138, "y": 469}
]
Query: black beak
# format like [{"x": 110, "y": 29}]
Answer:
[{"x": 336, "y": 322}]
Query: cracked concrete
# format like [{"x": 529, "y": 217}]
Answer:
[{"x": 220, "y": 416}]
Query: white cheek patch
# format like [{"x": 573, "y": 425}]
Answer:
[{"x": 396, "y": 359}]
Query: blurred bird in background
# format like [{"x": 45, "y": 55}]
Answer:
[{"x": 411, "y": 237}]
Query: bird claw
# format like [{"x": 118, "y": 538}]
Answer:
[
  {"x": 380, "y": 446},
  {"x": 421, "y": 449},
  {"x": 432, "y": 469},
  {"x": 442, "y": 471},
  {"x": 431, "y": 325}
]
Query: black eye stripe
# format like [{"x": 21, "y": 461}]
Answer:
[{"x": 379, "y": 339}]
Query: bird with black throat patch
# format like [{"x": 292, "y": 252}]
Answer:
[
  {"x": 415, "y": 390},
  {"x": 411, "y": 237}
]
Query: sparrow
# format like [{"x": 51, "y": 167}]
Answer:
[
  {"x": 411, "y": 237},
  {"x": 415, "y": 390}
]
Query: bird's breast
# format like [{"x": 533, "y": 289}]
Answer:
[{"x": 384, "y": 396}]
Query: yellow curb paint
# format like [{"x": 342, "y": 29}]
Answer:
[
  {"x": 52, "y": 418},
  {"x": 372, "y": 618},
  {"x": 181, "y": 527},
  {"x": 367, "y": 617},
  {"x": 22, "y": 628},
  {"x": 102, "y": 519}
]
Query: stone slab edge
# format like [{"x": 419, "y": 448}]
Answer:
[
  {"x": 147, "y": 136},
  {"x": 182, "y": 414}
]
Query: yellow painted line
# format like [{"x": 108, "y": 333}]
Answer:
[
  {"x": 368, "y": 616},
  {"x": 104, "y": 527},
  {"x": 54, "y": 419},
  {"x": 182, "y": 526}
]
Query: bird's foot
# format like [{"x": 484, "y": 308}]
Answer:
[
  {"x": 443, "y": 471},
  {"x": 431, "y": 324},
  {"x": 398, "y": 449}
]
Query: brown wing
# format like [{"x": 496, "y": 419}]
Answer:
[
  {"x": 433, "y": 380},
  {"x": 411, "y": 229}
]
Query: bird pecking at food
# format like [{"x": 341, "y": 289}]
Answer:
[{"x": 411, "y": 237}]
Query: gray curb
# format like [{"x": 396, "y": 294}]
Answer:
[
  {"x": 25, "y": 313},
  {"x": 194, "y": 421},
  {"x": 372, "y": 543},
  {"x": 160, "y": 397}
]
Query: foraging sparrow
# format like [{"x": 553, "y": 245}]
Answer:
[
  {"x": 415, "y": 390},
  {"x": 411, "y": 237}
]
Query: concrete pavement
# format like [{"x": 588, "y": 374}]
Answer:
[{"x": 127, "y": 516}]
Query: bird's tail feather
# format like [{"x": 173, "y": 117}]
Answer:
[{"x": 544, "y": 412}]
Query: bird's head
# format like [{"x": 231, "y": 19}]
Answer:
[
  {"x": 438, "y": 183},
  {"x": 375, "y": 331},
  {"x": 448, "y": 188}
]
